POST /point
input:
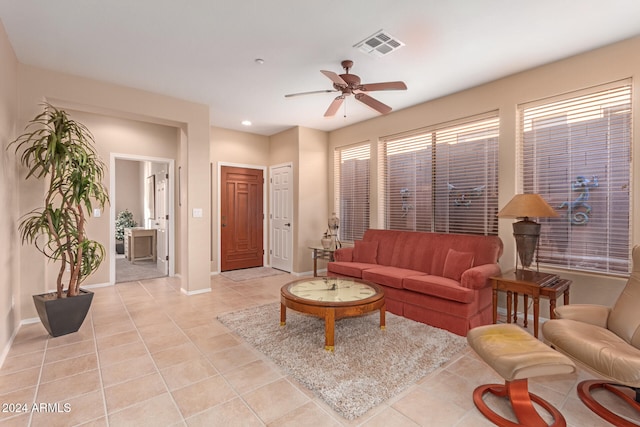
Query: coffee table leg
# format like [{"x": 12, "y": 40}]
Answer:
[
  {"x": 329, "y": 329},
  {"x": 383, "y": 323},
  {"x": 283, "y": 315}
]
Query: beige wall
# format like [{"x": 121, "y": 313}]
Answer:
[
  {"x": 10, "y": 313},
  {"x": 313, "y": 195},
  {"x": 236, "y": 148},
  {"x": 137, "y": 139},
  {"x": 306, "y": 149},
  {"x": 129, "y": 191},
  {"x": 192, "y": 120},
  {"x": 604, "y": 65}
]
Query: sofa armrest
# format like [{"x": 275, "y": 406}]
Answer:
[
  {"x": 343, "y": 254},
  {"x": 478, "y": 277},
  {"x": 593, "y": 314}
]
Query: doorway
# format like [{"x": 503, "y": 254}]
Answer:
[
  {"x": 281, "y": 183},
  {"x": 142, "y": 185},
  {"x": 241, "y": 217}
]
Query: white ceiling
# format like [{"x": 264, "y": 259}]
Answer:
[{"x": 205, "y": 50}]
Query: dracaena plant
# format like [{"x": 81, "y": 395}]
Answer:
[{"x": 61, "y": 151}]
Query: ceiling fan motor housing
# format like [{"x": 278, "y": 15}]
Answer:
[{"x": 352, "y": 81}]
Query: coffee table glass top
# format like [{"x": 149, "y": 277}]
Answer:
[{"x": 331, "y": 289}]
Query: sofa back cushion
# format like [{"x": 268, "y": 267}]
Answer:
[
  {"x": 427, "y": 252},
  {"x": 386, "y": 243},
  {"x": 366, "y": 252},
  {"x": 414, "y": 251}
]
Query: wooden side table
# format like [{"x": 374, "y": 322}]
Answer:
[
  {"x": 320, "y": 253},
  {"x": 529, "y": 283},
  {"x": 140, "y": 243}
]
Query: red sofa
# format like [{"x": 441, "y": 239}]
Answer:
[{"x": 438, "y": 279}]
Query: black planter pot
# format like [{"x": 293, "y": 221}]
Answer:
[
  {"x": 65, "y": 315},
  {"x": 120, "y": 247}
]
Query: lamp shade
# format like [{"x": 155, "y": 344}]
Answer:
[{"x": 527, "y": 206}]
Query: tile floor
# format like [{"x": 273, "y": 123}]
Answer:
[{"x": 149, "y": 356}]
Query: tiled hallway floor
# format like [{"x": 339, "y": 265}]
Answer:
[{"x": 148, "y": 355}]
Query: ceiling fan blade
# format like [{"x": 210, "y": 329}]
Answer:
[
  {"x": 373, "y": 103},
  {"x": 334, "y": 106},
  {"x": 309, "y": 93},
  {"x": 334, "y": 78},
  {"x": 383, "y": 86}
]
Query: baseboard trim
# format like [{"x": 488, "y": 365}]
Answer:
[
  {"x": 199, "y": 291},
  {"x": 97, "y": 285},
  {"x": 7, "y": 347}
]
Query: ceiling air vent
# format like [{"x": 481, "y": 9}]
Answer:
[{"x": 379, "y": 44}]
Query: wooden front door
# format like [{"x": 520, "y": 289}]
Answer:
[{"x": 241, "y": 218}]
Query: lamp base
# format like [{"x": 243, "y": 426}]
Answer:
[{"x": 526, "y": 233}]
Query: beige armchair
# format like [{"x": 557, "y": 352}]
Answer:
[{"x": 606, "y": 340}]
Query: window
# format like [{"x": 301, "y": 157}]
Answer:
[
  {"x": 351, "y": 180},
  {"x": 576, "y": 153},
  {"x": 443, "y": 179}
]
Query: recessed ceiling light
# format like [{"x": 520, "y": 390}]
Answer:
[
  {"x": 246, "y": 122},
  {"x": 259, "y": 61}
]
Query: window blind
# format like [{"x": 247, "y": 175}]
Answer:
[
  {"x": 576, "y": 153},
  {"x": 443, "y": 179},
  {"x": 352, "y": 181}
]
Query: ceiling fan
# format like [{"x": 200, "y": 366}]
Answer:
[{"x": 349, "y": 84}]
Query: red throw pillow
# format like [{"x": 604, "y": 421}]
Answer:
[
  {"x": 365, "y": 252},
  {"x": 457, "y": 263}
]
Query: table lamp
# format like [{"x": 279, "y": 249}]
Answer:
[{"x": 526, "y": 231}]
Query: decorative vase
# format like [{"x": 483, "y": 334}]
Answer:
[
  {"x": 326, "y": 242},
  {"x": 62, "y": 316}
]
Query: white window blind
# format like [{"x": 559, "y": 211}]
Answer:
[
  {"x": 351, "y": 180},
  {"x": 443, "y": 179},
  {"x": 576, "y": 153}
]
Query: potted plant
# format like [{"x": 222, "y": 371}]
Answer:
[
  {"x": 124, "y": 219},
  {"x": 61, "y": 152}
]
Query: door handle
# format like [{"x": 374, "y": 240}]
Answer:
[{"x": 288, "y": 224}]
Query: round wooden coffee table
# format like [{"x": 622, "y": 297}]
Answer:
[{"x": 332, "y": 298}]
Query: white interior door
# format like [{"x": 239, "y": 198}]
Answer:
[
  {"x": 281, "y": 217},
  {"x": 161, "y": 224}
]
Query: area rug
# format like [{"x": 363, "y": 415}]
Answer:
[
  {"x": 369, "y": 365},
  {"x": 251, "y": 273}
]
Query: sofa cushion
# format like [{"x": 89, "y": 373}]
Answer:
[
  {"x": 343, "y": 254},
  {"x": 366, "y": 252},
  {"x": 351, "y": 269},
  {"x": 457, "y": 263},
  {"x": 388, "y": 276},
  {"x": 440, "y": 287},
  {"x": 414, "y": 251},
  {"x": 386, "y": 243}
]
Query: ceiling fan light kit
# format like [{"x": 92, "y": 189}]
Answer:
[{"x": 350, "y": 84}]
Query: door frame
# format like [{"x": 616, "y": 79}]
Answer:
[
  {"x": 112, "y": 208},
  {"x": 265, "y": 239}
]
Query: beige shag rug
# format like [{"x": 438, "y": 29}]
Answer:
[
  {"x": 251, "y": 273},
  {"x": 369, "y": 365}
]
